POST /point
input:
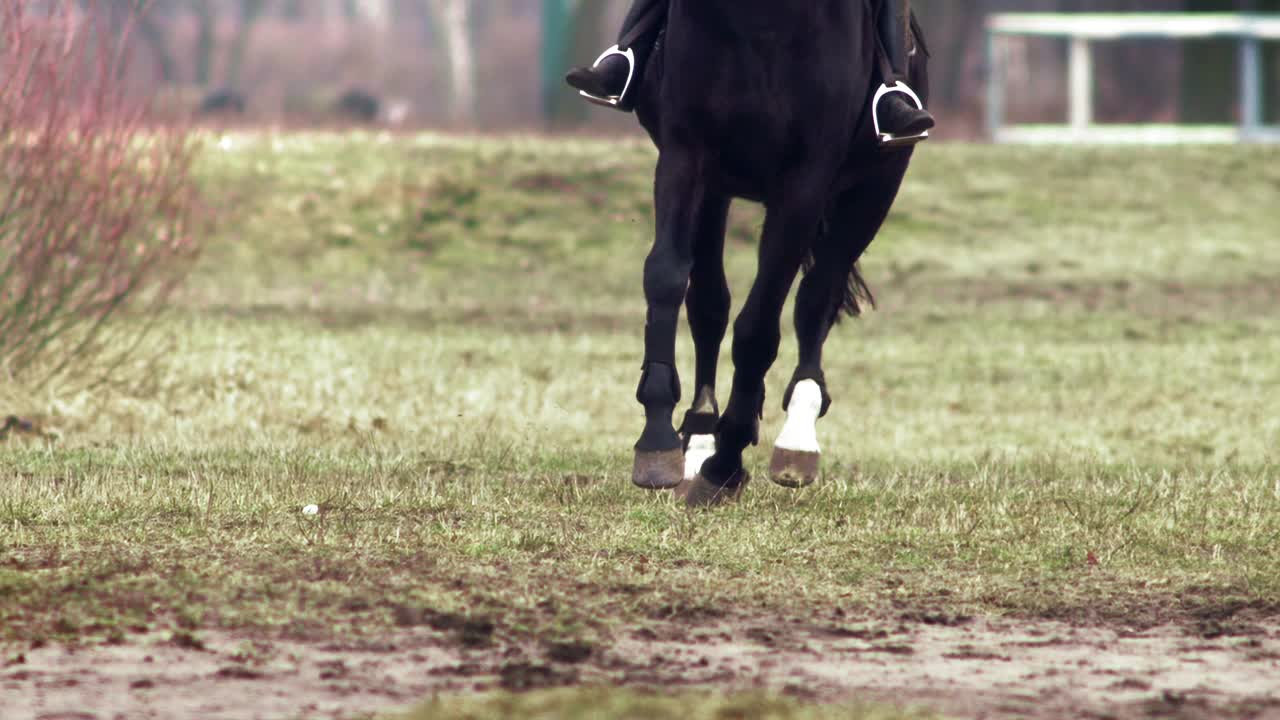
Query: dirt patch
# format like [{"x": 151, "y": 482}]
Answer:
[{"x": 970, "y": 668}]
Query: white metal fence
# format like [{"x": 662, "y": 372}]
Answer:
[{"x": 1083, "y": 30}]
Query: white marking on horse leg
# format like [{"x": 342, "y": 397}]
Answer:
[
  {"x": 800, "y": 433},
  {"x": 701, "y": 447}
]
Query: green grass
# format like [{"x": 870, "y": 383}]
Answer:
[{"x": 438, "y": 340}]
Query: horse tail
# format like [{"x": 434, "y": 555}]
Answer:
[{"x": 854, "y": 294}]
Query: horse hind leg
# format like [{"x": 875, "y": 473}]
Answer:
[
  {"x": 832, "y": 285},
  {"x": 796, "y": 453}
]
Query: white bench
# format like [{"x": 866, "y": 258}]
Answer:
[{"x": 1084, "y": 29}]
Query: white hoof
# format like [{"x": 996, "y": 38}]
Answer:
[
  {"x": 796, "y": 455},
  {"x": 800, "y": 433},
  {"x": 701, "y": 448}
]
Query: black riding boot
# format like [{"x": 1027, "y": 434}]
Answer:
[
  {"x": 899, "y": 115},
  {"x": 606, "y": 81}
]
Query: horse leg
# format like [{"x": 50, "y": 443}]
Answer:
[
  {"x": 789, "y": 231},
  {"x": 707, "y": 305},
  {"x": 831, "y": 285},
  {"x": 683, "y": 205},
  {"x": 796, "y": 453}
]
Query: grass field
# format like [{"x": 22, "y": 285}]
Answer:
[{"x": 1064, "y": 412}]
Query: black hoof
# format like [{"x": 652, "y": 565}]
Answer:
[
  {"x": 701, "y": 493},
  {"x": 794, "y": 468},
  {"x": 662, "y": 470}
]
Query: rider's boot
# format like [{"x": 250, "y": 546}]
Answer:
[
  {"x": 900, "y": 115},
  {"x": 613, "y": 79},
  {"x": 607, "y": 82}
]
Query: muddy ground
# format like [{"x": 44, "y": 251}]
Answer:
[{"x": 963, "y": 667}]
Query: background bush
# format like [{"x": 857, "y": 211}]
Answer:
[{"x": 94, "y": 203}]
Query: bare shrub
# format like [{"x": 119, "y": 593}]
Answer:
[{"x": 94, "y": 203}]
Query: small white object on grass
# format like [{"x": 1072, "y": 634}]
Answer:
[{"x": 311, "y": 510}]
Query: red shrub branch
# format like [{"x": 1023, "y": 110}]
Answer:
[{"x": 94, "y": 204}]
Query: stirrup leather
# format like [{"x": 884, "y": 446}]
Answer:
[
  {"x": 614, "y": 100},
  {"x": 889, "y": 139}
]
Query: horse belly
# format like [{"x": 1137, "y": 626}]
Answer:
[
  {"x": 750, "y": 154},
  {"x": 767, "y": 119}
]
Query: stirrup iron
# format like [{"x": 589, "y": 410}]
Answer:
[
  {"x": 613, "y": 101},
  {"x": 889, "y": 139}
]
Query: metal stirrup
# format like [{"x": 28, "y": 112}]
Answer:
[
  {"x": 889, "y": 139},
  {"x": 614, "y": 100}
]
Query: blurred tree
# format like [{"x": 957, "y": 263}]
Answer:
[
  {"x": 148, "y": 23},
  {"x": 589, "y": 38},
  {"x": 152, "y": 28},
  {"x": 205, "y": 39},
  {"x": 455, "y": 21},
  {"x": 555, "y": 27},
  {"x": 573, "y": 33},
  {"x": 250, "y": 12},
  {"x": 955, "y": 35}
]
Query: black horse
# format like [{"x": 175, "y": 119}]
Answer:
[{"x": 768, "y": 101}]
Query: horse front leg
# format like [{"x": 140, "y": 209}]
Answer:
[
  {"x": 683, "y": 210},
  {"x": 707, "y": 306},
  {"x": 789, "y": 231}
]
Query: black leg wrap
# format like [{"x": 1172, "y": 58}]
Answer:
[
  {"x": 659, "y": 393},
  {"x": 815, "y": 375},
  {"x": 659, "y": 385},
  {"x": 702, "y": 418},
  {"x": 696, "y": 423}
]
